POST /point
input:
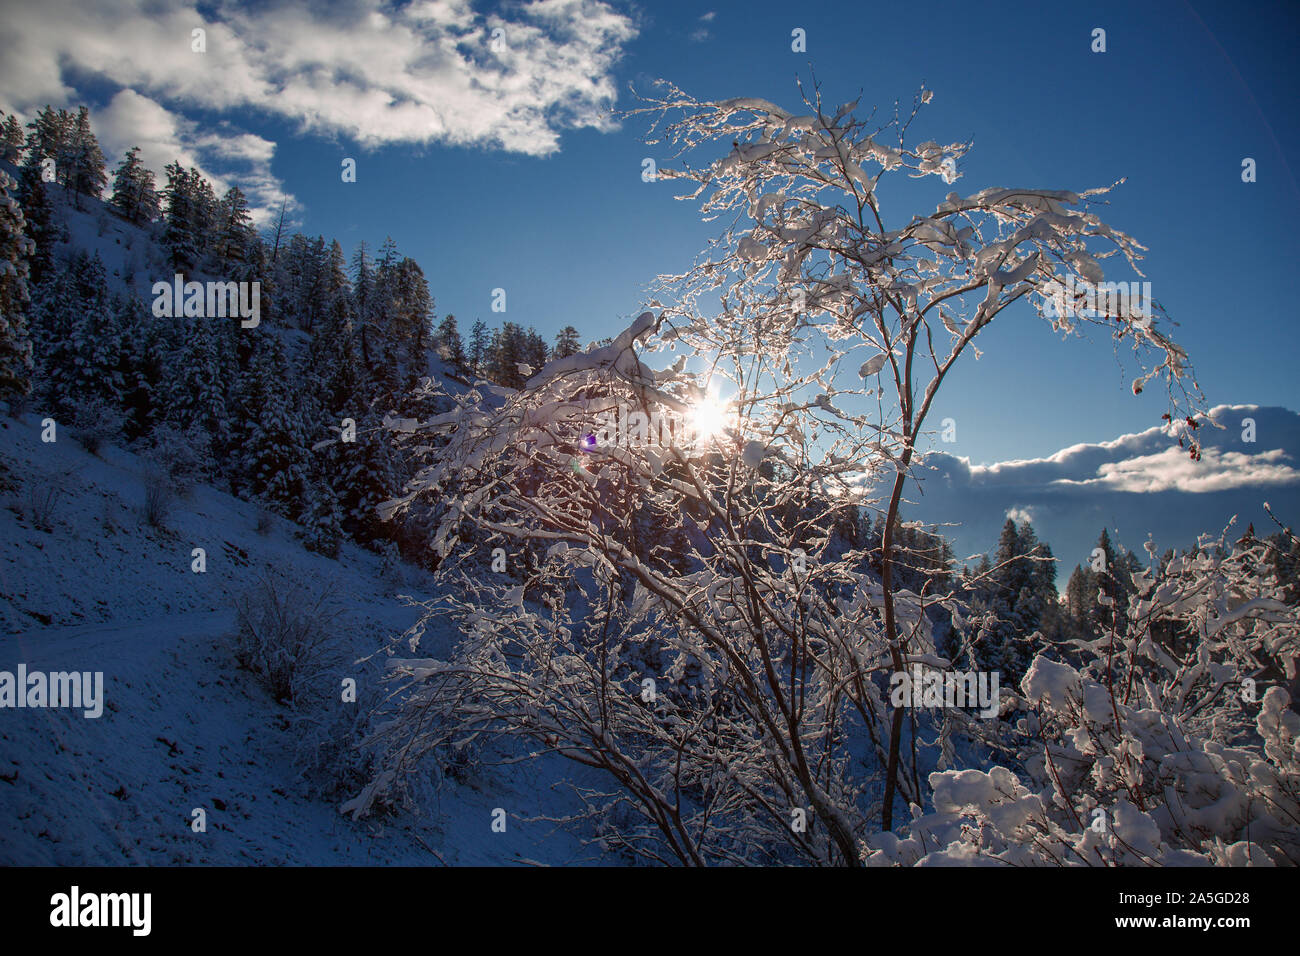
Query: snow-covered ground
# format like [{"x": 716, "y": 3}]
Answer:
[{"x": 183, "y": 727}]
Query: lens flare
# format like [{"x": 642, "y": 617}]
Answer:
[{"x": 708, "y": 417}]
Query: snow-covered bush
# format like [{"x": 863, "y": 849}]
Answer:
[
  {"x": 330, "y": 746},
  {"x": 1165, "y": 747},
  {"x": 181, "y": 454},
  {"x": 285, "y": 634},
  {"x": 95, "y": 423},
  {"x": 392, "y": 569},
  {"x": 680, "y": 609}
]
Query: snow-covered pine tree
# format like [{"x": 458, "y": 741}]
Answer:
[
  {"x": 191, "y": 215},
  {"x": 363, "y": 277},
  {"x": 15, "y": 342},
  {"x": 449, "y": 343},
  {"x": 11, "y": 139},
  {"x": 49, "y": 137},
  {"x": 338, "y": 383},
  {"x": 86, "y": 173},
  {"x": 135, "y": 194},
  {"x": 273, "y": 447},
  {"x": 204, "y": 212},
  {"x": 507, "y": 354},
  {"x": 182, "y": 244},
  {"x": 81, "y": 333},
  {"x": 148, "y": 350},
  {"x": 198, "y": 393},
  {"x": 235, "y": 234},
  {"x": 39, "y": 220},
  {"x": 371, "y": 479},
  {"x": 407, "y": 322},
  {"x": 1021, "y": 595},
  {"x": 322, "y": 515},
  {"x": 536, "y": 351}
]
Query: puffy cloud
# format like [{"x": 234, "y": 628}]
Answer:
[
  {"x": 433, "y": 71},
  {"x": 1152, "y": 461},
  {"x": 1135, "y": 484},
  {"x": 1172, "y": 469},
  {"x": 226, "y": 157}
]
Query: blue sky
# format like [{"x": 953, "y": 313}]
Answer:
[{"x": 519, "y": 183}]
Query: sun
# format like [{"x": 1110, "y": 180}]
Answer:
[{"x": 708, "y": 416}]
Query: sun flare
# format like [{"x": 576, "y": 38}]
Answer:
[{"x": 708, "y": 416}]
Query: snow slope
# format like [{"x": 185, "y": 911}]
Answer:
[{"x": 182, "y": 727}]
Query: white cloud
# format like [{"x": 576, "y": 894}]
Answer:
[
  {"x": 224, "y": 157},
  {"x": 1173, "y": 470},
  {"x": 1020, "y": 515},
  {"x": 1152, "y": 460},
  {"x": 1135, "y": 485},
  {"x": 428, "y": 72},
  {"x": 421, "y": 74},
  {"x": 700, "y": 34}
]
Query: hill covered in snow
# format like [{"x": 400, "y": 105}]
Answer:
[{"x": 88, "y": 585}]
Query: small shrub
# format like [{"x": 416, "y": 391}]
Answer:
[
  {"x": 180, "y": 453},
  {"x": 94, "y": 425},
  {"x": 324, "y": 541},
  {"x": 18, "y": 405},
  {"x": 265, "y": 521},
  {"x": 392, "y": 570},
  {"x": 331, "y": 753},
  {"x": 44, "y": 494},
  {"x": 158, "y": 495},
  {"x": 285, "y": 634}
]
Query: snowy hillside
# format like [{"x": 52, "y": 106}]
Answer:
[{"x": 182, "y": 727}]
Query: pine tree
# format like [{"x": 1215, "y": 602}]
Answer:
[
  {"x": 370, "y": 479},
  {"x": 235, "y": 235},
  {"x": 479, "y": 344},
  {"x": 86, "y": 174},
  {"x": 450, "y": 346},
  {"x": 567, "y": 343},
  {"x": 11, "y": 139},
  {"x": 183, "y": 245},
  {"x": 203, "y": 210},
  {"x": 15, "y": 342},
  {"x": 49, "y": 138},
  {"x": 98, "y": 331},
  {"x": 364, "y": 303},
  {"x": 79, "y": 337},
  {"x": 146, "y": 367},
  {"x": 412, "y": 311},
  {"x": 135, "y": 194},
  {"x": 272, "y": 451},
  {"x": 507, "y": 354},
  {"x": 39, "y": 216},
  {"x": 198, "y": 396},
  {"x": 338, "y": 383},
  {"x": 278, "y": 232},
  {"x": 322, "y": 514},
  {"x": 535, "y": 350},
  {"x": 388, "y": 257},
  {"x": 1022, "y": 596}
]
